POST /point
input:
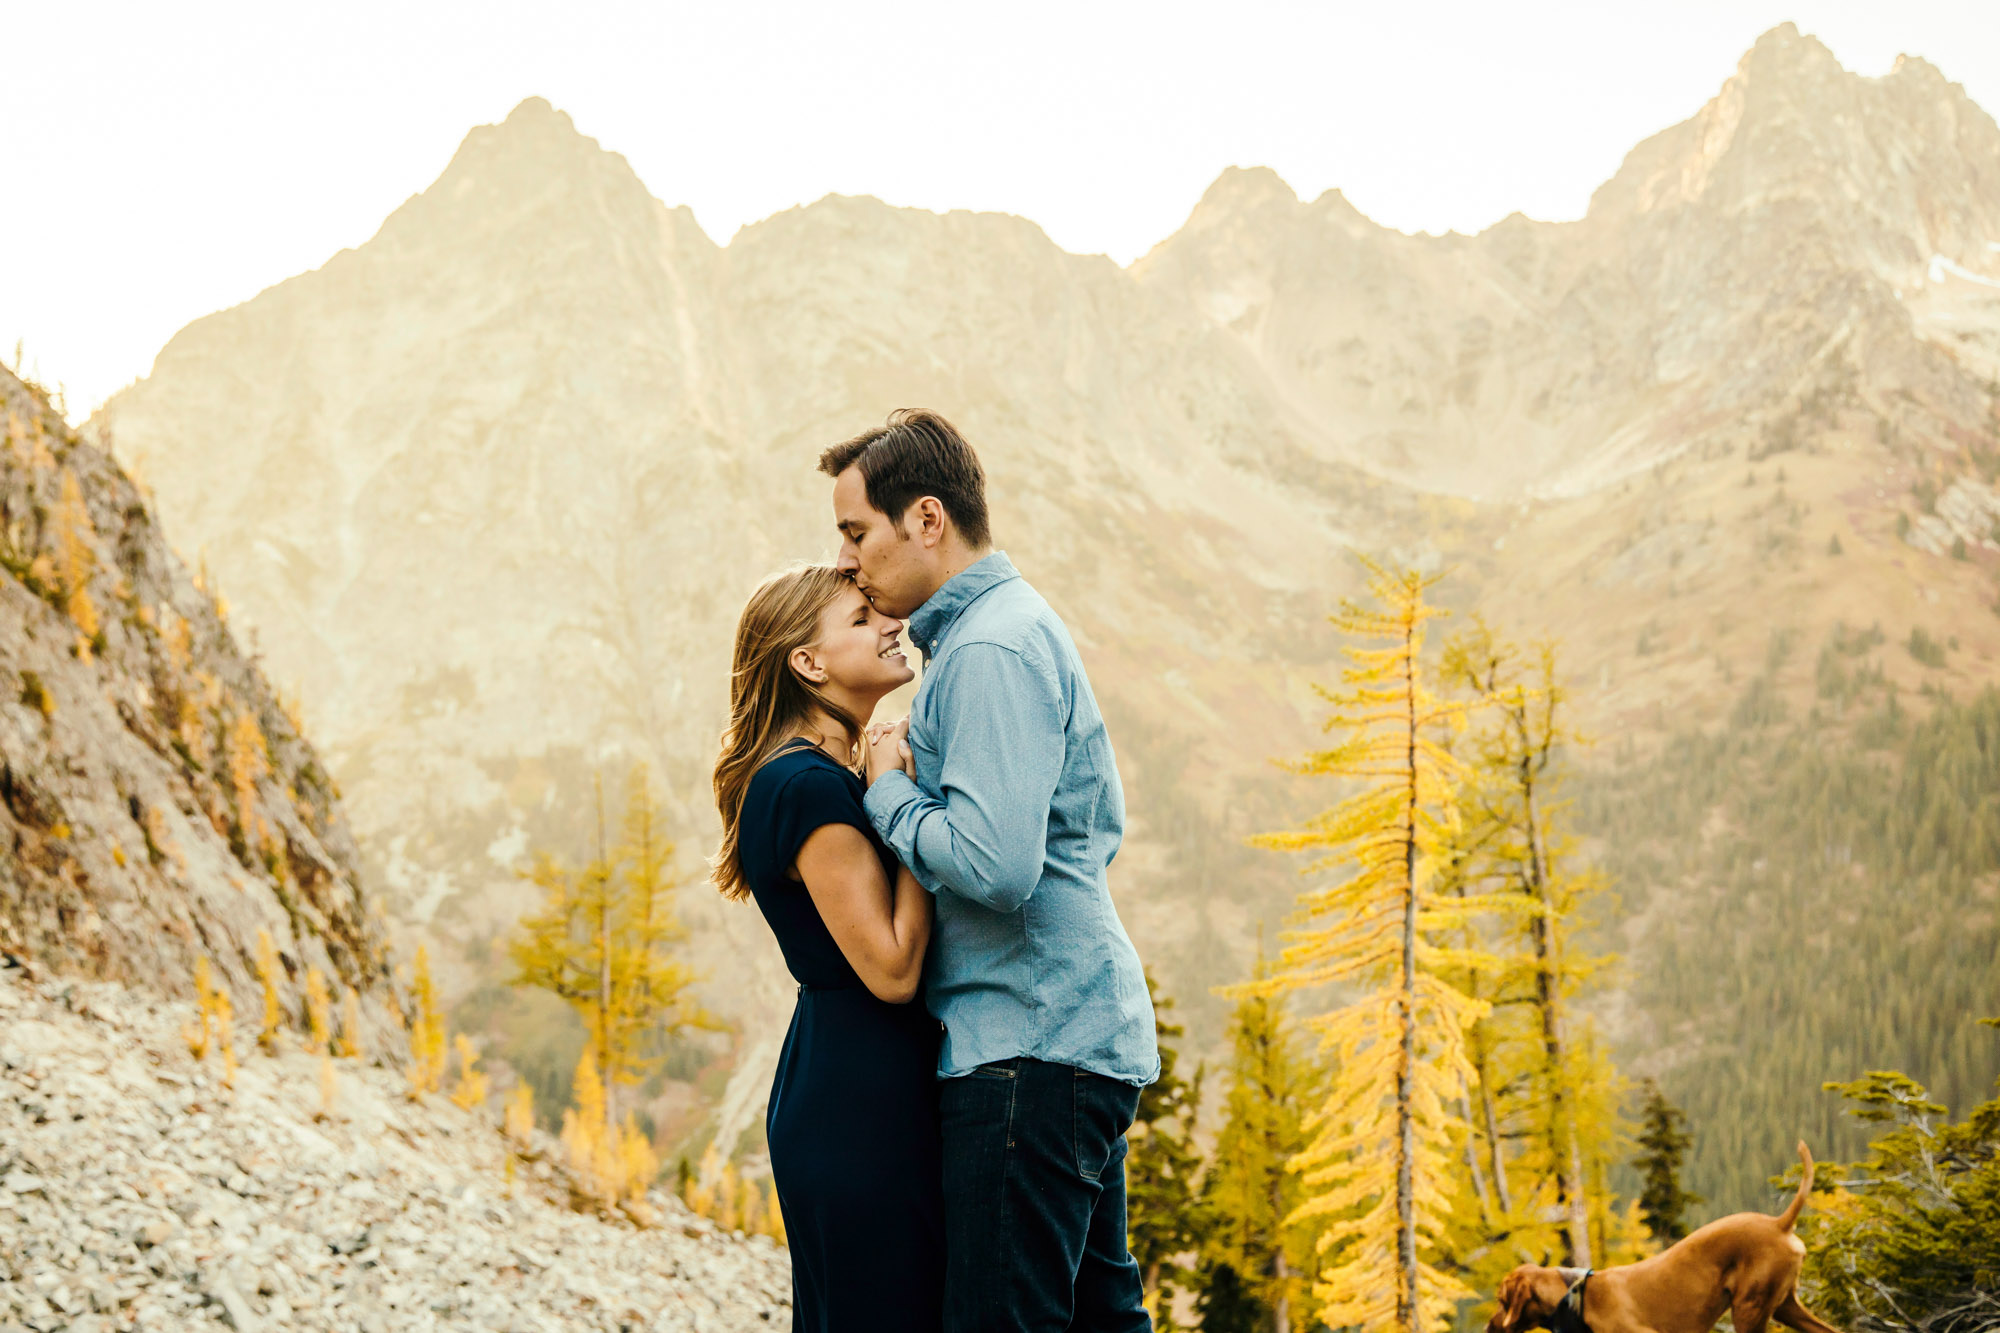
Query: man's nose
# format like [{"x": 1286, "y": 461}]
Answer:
[{"x": 849, "y": 563}]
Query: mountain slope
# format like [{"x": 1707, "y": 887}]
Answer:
[
  {"x": 157, "y": 805},
  {"x": 492, "y": 485},
  {"x": 1744, "y": 260}
]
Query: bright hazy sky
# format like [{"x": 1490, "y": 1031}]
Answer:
[{"x": 167, "y": 160}]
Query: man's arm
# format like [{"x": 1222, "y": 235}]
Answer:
[{"x": 1000, "y": 736}]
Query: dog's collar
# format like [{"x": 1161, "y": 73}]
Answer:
[{"x": 1569, "y": 1311}]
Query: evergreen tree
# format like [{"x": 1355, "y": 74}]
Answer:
[
  {"x": 1663, "y": 1201},
  {"x": 1254, "y": 1257},
  {"x": 1919, "y": 1248},
  {"x": 1377, "y": 1172},
  {"x": 1161, "y": 1171},
  {"x": 1226, "y": 1305}
]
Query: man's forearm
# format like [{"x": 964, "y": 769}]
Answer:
[{"x": 919, "y": 829}]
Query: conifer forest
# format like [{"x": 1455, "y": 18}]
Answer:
[{"x": 1419, "y": 1092}]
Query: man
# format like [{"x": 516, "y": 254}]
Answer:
[{"x": 1013, "y": 815}]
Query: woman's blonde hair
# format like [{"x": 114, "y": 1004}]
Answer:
[{"x": 769, "y": 703}]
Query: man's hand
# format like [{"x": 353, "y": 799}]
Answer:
[{"x": 889, "y": 751}]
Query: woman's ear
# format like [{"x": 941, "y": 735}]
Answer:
[{"x": 807, "y": 666}]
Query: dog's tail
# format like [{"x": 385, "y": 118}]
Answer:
[{"x": 1798, "y": 1203}]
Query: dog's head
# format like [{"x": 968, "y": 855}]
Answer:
[{"x": 1527, "y": 1298}]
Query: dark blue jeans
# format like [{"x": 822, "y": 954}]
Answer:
[{"x": 1034, "y": 1201}]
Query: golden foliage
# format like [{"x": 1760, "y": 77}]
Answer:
[
  {"x": 603, "y": 940},
  {"x": 225, "y": 1032},
  {"x": 471, "y": 1089},
  {"x": 202, "y": 1032},
  {"x": 1377, "y": 1170},
  {"x": 1549, "y": 1101},
  {"x": 76, "y": 556},
  {"x": 319, "y": 1006},
  {"x": 427, "y": 1036},
  {"x": 267, "y": 977},
  {"x": 249, "y": 759},
  {"x": 589, "y": 1142},
  {"x": 348, "y": 1043},
  {"x": 519, "y": 1121},
  {"x": 774, "y": 1214},
  {"x": 638, "y": 1163},
  {"x": 701, "y": 1187}
]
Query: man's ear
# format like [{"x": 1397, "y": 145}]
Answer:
[
  {"x": 925, "y": 519},
  {"x": 803, "y": 662}
]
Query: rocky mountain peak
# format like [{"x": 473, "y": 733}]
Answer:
[
  {"x": 532, "y": 175},
  {"x": 1241, "y": 193},
  {"x": 1785, "y": 53}
]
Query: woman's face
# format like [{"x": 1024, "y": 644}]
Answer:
[{"x": 859, "y": 653}]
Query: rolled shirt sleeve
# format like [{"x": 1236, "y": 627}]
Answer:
[{"x": 999, "y": 731}]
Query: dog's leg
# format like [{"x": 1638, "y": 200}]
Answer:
[
  {"x": 1793, "y": 1315},
  {"x": 1751, "y": 1310}
]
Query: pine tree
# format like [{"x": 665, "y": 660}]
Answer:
[
  {"x": 1663, "y": 1202},
  {"x": 1919, "y": 1248},
  {"x": 1254, "y": 1257},
  {"x": 1377, "y": 1172},
  {"x": 1162, "y": 1170},
  {"x": 1226, "y": 1305}
]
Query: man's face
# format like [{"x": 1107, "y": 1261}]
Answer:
[{"x": 894, "y": 570}]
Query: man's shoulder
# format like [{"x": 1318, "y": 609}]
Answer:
[{"x": 1011, "y": 615}]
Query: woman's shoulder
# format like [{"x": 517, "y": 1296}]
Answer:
[{"x": 802, "y": 772}]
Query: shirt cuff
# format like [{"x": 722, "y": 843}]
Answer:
[{"x": 887, "y": 798}]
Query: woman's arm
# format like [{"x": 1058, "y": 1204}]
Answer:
[{"x": 881, "y": 927}]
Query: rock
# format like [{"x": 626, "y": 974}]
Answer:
[
  {"x": 235, "y": 1310},
  {"x": 430, "y": 1244}
]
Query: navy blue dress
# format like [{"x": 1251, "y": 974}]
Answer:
[{"x": 852, "y": 1123}]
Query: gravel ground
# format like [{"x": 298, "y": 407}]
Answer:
[{"x": 137, "y": 1192}]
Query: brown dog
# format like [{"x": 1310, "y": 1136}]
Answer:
[{"x": 1745, "y": 1265}]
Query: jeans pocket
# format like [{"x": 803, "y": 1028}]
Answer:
[
  {"x": 1101, "y": 1111},
  {"x": 997, "y": 1069}
]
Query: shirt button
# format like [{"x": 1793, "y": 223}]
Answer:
[{"x": 933, "y": 645}]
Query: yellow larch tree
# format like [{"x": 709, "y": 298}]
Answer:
[
  {"x": 348, "y": 1043},
  {"x": 427, "y": 1035},
  {"x": 471, "y": 1090},
  {"x": 604, "y": 941},
  {"x": 249, "y": 759},
  {"x": 267, "y": 978},
  {"x": 319, "y": 1012},
  {"x": 1559, "y": 1110},
  {"x": 76, "y": 560},
  {"x": 1377, "y": 1168}
]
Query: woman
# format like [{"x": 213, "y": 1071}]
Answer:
[{"x": 852, "y": 1122}]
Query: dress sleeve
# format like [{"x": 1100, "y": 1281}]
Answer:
[{"x": 812, "y": 798}]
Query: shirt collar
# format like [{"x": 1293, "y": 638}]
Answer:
[{"x": 929, "y": 622}]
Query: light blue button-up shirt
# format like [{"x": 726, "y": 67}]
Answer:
[{"x": 1015, "y": 813}]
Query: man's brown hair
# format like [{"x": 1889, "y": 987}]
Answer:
[{"x": 914, "y": 454}]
